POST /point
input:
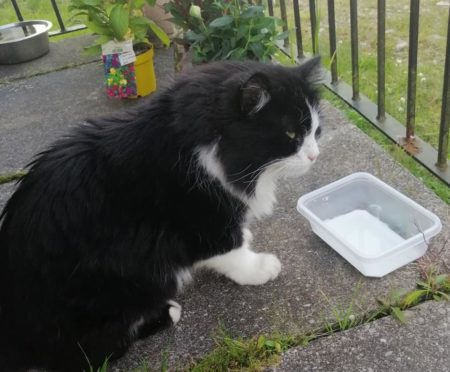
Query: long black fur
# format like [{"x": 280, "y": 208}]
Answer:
[{"x": 95, "y": 234}]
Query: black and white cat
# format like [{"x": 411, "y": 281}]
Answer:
[{"x": 111, "y": 220}]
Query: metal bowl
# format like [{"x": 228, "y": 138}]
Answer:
[{"x": 23, "y": 41}]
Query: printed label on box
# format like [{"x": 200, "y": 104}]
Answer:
[
  {"x": 117, "y": 47},
  {"x": 126, "y": 58}
]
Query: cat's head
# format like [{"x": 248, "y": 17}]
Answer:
[{"x": 269, "y": 126}]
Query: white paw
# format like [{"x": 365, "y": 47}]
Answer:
[
  {"x": 174, "y": 311},
  {"x": 264, "y": 267}
]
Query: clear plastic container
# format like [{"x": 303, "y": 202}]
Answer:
[{"x": 373, "y": 226}]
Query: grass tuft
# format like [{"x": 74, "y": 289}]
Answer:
[
  {"x": 343, "y": 316},
  {"x": 5, "y": 178},
  {"x": 247, "y": 354},
  {"x": 253, "y": 354}
]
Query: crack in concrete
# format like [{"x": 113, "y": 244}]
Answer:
[{"x": 61, "y": 68}]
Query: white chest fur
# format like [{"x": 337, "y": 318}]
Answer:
[{"x": 262, "y": 201}]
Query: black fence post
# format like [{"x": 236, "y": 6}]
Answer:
[
  {"x": 445, "y": 111},
  {"x": 17, "y": 10},
  {"x": 58, "y": 16},
  {"x": 354, "y": 47},
  {"x": 270, "y": 6},
  {"x": 412, "y": 69},
  {"x": 314, "y": 30},
  {"x": 381, "y": 59},
  {"x": 333, "y": 50},
  {"x": 298, "y": 29}
]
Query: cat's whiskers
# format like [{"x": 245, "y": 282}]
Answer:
[
  {"x": 275, "y": 170},
  {"x": 262, "y": 169},
  {"x": 258, "y": 171},
  {"x": 243, "y": 170}
]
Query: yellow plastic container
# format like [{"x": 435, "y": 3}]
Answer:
[{"x": 145, "y": 73}]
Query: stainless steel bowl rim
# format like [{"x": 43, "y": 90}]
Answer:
[{"x": 48, "y": 25}]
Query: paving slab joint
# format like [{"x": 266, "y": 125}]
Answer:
[
  {"x": 265, "y": 351},
  {"x": 39, "y": 73}
]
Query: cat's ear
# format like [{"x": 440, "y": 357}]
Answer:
[
  {"x": 311, "y": 70},
  {"x": 254, "y": 94}
]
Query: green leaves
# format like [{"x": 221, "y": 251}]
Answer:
[
  {"x": 257, "y": 49},
  {"x": 282, "y": 36},
  {"x": 194, "y": 37},
  {"x": 99, "y": 29},
  {"x": 160, "y": 34},
  {"x": 119, "y": 21},
  {"x": 241, "y": 32},
  {"x": 139, "y": 21},
  {"x": 253, "y": 11},
  {"x": 261, "y": 342},
  {"x": 137, "y": 4},
  {"x": 275, "y": 345},
  {"x": 140, "y": 25},
  {"x": 221, "y": 22},
  {"x": 398, "y": 314}
]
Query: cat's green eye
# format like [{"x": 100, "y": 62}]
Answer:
[{"x": 291, "y": 135}]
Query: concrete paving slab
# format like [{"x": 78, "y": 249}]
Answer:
[
  {"x": 62, "y": 54},
  {"x": 37, "y": 110},
  {"x": 314, "y": 279},
  {"x": 422, "y": 344}
]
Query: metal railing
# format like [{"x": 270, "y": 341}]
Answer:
[
  {"x": 63, "y": 29},
  {"x": 434, "y": 160}
]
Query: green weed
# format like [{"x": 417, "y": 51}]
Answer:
[
  {"x": 5, "y": 178},
  {"x": 246, "y": 354},
  {"x": 343, "y": 317},
  {"x": 103, "y": 367},
  {"x": 255, "y": 353}
]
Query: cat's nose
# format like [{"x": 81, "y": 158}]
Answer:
[{"x": 312, "y": 157}]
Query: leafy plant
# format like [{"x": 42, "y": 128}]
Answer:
[
  {"x": 343, "y": 316},
  {"x": 118, "y": 20},
  {"x": 180, "y": 11},
  {"x": 246, "y": 354},
  {"x": 391, "y": 305},
  {"x": 242, "y": 31},
  {"x": 433, "y": 286}
]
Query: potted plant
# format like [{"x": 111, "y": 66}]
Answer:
[
  {"x": 123, "y": 41},
  {"x": 226, "y": 29}
]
